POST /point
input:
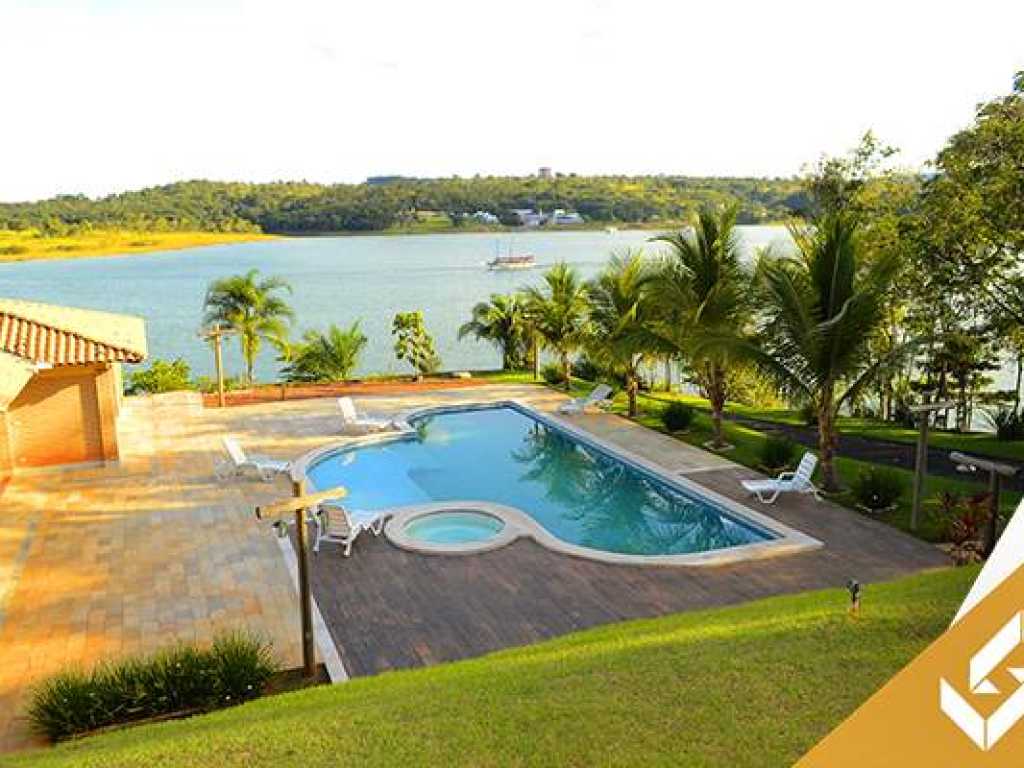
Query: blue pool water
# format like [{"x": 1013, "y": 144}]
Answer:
[{"x": 579, "y": 493}]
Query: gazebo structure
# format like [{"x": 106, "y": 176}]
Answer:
[{"x": 60, "y": 383}]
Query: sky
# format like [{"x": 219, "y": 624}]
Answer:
[{"x": 99, "y": 97}]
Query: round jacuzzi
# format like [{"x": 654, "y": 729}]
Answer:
[
  {"x": 450, "y": 530},
  {"x": 454, "y": 527}
]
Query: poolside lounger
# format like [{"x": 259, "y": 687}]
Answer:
[
  {"x": 336, "y": 523},
  {"x": 237, "y": 462},
  {"x": 354, "y": 424},
  {"x": 767, "y": 491},
  {"x": 600, "y": 395}
]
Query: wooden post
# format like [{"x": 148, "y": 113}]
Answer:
[
  {"x": 219, "y": 361},
  {"x": 299, "y": 504},
  {"x": 923, "y": 412},
  {"x": 305, "y": 593},
  {"x": 920, "y": 468}
]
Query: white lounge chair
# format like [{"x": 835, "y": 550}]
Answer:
[
  {"x": 237, "y": 462},
  {"x": 600, "y": 395},
  {"x": 336, "y": 523},
  {"x": 767, "y": 491},
  {"x": 354, "y": 424}
]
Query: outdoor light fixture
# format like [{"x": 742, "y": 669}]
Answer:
[
  {"x": 282, "y": 529},
  {"x": 854, "y": 588}
]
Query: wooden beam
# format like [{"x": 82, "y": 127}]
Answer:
[
  {"x": 300, "y": 503},
  {"x": 1005, "y": 470}
]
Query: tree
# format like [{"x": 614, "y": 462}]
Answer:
[
  {"x": 413, "y": 344},
  {"x": 969, "y": 226},
  {"x": 501, "y": 322},
  {"x": 161, "y": 376},
  {"x": 252, "y": 308},
  {"x": 330, "y": 356},
  {"x": 620, "y": 330},
  {"x": 820, "y": 309},
  {"x": 703, "y": 292},
  {"x": 558, "y": 311}
]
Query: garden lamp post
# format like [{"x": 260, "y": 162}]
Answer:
[
  {"x": 996, "y": 471},
  {"x": 923, "y": 412},
  {"x": 300, "y": 504}
]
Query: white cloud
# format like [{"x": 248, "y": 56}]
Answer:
[{"x": 103, "y": 96}]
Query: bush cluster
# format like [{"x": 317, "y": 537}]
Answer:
[
  {"x": 1008, "y": 423},
  {"x": 161, "y": 376},
  {"x": 184, "y": 679},
  {"x": 552, "y": 375},
  {"x": 777, "y": 452},
  {"x": 677, "y": 416},
  {"x": 878, "y": 488}
]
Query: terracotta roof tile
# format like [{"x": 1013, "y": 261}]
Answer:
[{"x": 44, "y": 333}]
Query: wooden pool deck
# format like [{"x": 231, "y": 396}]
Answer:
[{"x": 388, "y": 608}]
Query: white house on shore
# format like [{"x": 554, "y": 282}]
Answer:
[{"x": 558, "y": 217}]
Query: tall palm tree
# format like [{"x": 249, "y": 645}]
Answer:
[
  {"x": 621, "y": 332},
  {"x": 703, "y": 294},
  {"x": 558, "y": 312},
  {"x": 502, "y": 322},
  {"x": 821, "y": 308},
  {"x": 252, "y": 308}
]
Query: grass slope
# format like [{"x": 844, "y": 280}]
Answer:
[
  {"x": 751, "y": 685},
  {"x": 28, "y": 246}
]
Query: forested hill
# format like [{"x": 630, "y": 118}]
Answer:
[{"x": 300, "y": 207}]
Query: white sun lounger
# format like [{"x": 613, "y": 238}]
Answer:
[
  {"x": 354, "y": 424},
  {"x": 338, "y": 524},
  {"x": 237, "y": 462},
  {"x": 599, "y": 396},
  {"x": 767, "y": 491}
]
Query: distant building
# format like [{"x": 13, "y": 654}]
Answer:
[
  {"x": 529, "y": 217},
  {"x": 60, "y": 383},
  {"x": 544, "y": 172},
  {"x": 560, "y": 217},
  {"x": 485, "y": 217}
]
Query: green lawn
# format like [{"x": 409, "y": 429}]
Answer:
[
  {"x": 978, "y": 442},
  {"x": 751, "y": 685},
  {"x": 747, "y": 449}
]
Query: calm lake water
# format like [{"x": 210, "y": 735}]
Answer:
[{"x": 334, "y": 279}]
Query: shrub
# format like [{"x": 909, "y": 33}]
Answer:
[
  {"x": 586, "y": 369},
  {"x": 208, "y": 384},
  {"x": 414, "y": 344},
  {"x": 677, "y": 416},
  {"x": 1008, "y": 424},
  {"x": 176, "y": 681},
  {"x": 777, "y": 452},
  {"x": 809, "y": 415},
  {"x": 161, "y": 376},
  {"x": 330, "y": 356},
  {"x": 13, "y": 250},
  {"x": 552, "y": 374},
  {"x": 964, "y": 518},
  {"x": 878, "y": 488}
]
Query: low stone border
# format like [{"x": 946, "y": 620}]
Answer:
[{"x": 784, "y": 541}]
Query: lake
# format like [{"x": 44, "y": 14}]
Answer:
[{"x": 334, "y": 279}]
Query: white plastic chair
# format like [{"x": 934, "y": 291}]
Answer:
[
  {"x": 599, "y": 396},
  {"x": 767, "y": 491},
  {"x": 353, "y": 423},
  {"x": 336, "y": 523},
  {"x": 237, "y": 462}
]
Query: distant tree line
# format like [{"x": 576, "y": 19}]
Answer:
[{"x": 301, "y": 207}]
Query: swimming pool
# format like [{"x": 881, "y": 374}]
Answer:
[{"x": 571, "y": 488}]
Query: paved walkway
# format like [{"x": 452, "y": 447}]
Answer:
[{"x": 100, "y": 563}]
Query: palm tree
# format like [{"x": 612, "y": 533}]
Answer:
[
  {"x": 500, "y": 321},
  {"x": 250, "y": 307},
  {"x": 821, "y": 308},
  {"x": 330, "y": 356},
  {"x": 558, "y": 311},
  {"x": 620, "y": 318},
  {"x": 703, "y": 291}
]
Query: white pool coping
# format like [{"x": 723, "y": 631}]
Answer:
[{"x": 519, "y": 523}]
